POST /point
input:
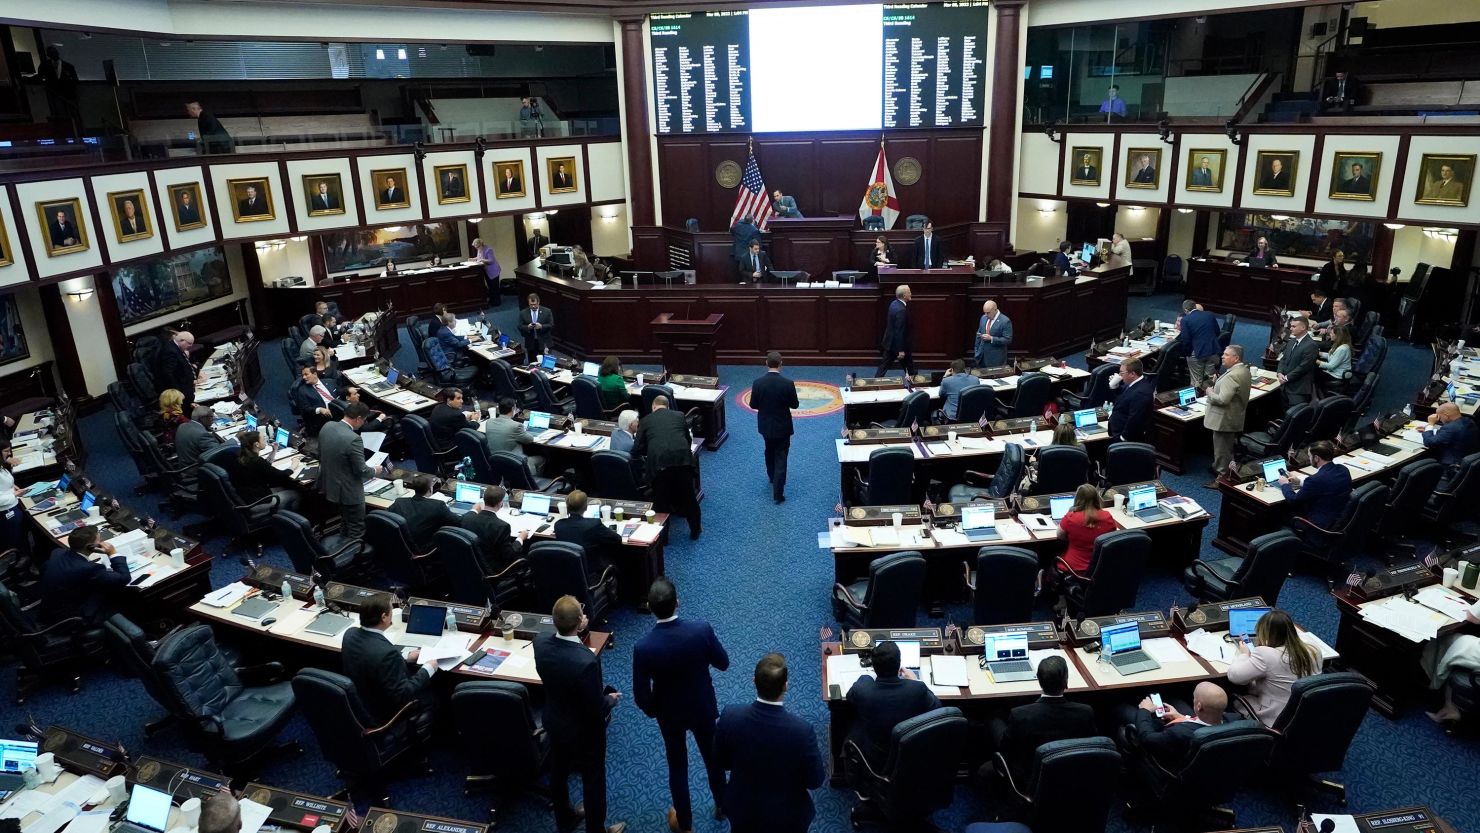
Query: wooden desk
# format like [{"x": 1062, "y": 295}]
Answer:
[
  {"x": 1176, "y": 432},
  {"x": 709, "y": 402},
  {"x": 861, "y": 407},
  {"x": 461, "y": 288},
  {"x": 1223, "y": 286}
]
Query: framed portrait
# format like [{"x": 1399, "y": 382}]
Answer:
[
  {"x": 1087, "y": 162},
  {"x": 1354, "y": 175},
  {"x": 1143, "y": 168},
  {"x": 1274, "y": 172},
  {"x": 324, "y": 194},
  {"x": 251, "y": 199},
  {"x": 1445, "y": 179},
  {"x": 452, "y": 184},
  {"x": 1205, "y": 169},
  {"x": 561, "y": 174},
  {"x": 65, "y": 229},
  {"x": 390, "y": 188},
  {"x": 185, "y": 206},
  {"x": 13, "y": 345},
  {"x": 508, "y": 179},
  {"x": 130, "y": 215},
  {"x": 6, "y": 256}
]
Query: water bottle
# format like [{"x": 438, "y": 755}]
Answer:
[
  {"x": 318, "y": 596},
  {"x": 287, "y": 589},
  {"x": 451, "y": 624}
]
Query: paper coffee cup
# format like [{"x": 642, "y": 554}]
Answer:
[
  {"x": 606, "y": 512},
  {"x": 579, "y": 426},
  {"x": 1451, "y": 575},
  {"x": 951, "y": 437},
  {"x": 400, "y": 487},
  {"x": 94, "y": 511},
  {"x": 649, "y": 516},
  {"x": 396, "y": 615},
  {"x": 117, "y": 787},
  {"x": 639, "y": 380},
  {"x": 190, "y": 813},
  {"x": 1119, "y": 500},
  {"x": 177, "y": 557},
  {"x": 46, "y": 767},
  {"x": 898, "y": 519}
]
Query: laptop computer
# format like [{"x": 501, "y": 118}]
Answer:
[
  {"x": 1006, "y": 656},
  {"x": 979, "y": 523},
  {"x": 1243, "y": 620},
  {"x": 423, "y": 626},
  {"x": 390, "y": 382},
  {"x": 464, "y": 497},
  {"x": 1142, "y": 504},
  {"x": 282, "y": 437},
  {"x": 70, "y": 516},
  {"x": 1274, "y": 469},
  {"x": 148, "y": 811},
  {"x": 1059, "y": 506},
  {"x": 251, "y": 422},
  {"x": 16, "y": 756},
  {"x": 535, "y": 503},
  {"x": 1121, "y": 646},
  {"x": 1186, "y": 396},
  {"x": 1087, "y": 421},
  {"x": 591, "y": 369},
  {"x": 548, "y": 362},
  {"x": 538, "y": 421}
]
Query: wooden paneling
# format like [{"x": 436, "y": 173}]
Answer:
[{"x": 1247, "y": 290}]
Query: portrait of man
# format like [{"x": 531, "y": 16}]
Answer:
[
  {"x": 63, "y": 221},
  {"x": 325, "y": 194},
  {"x": 1354, "y": 176},
  {"x": 1143, "y": 168},
  {"x": 562, "y": 174},
  {"x": 1205, "y": 170},
  {"x": 185, "y": 203},
  {"x": 508, "y": 179},
  {"x": 1276, "y": 173},
  {"x": 1445, "y": 179},
  {"x": 1086, "y": 166},
  {"x": 251, "y": 200},
  {"x": 130, "y": 220},
  {"x": 390, "y": 188},
  {"x": 452, "y": 184}
]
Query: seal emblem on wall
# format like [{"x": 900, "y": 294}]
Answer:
[
  {"x": 728, "y": 174},
  {"x": 906, "y": 170}
]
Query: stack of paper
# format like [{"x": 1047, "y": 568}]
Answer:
[
  {"x": 948, "y": 671},
  {"x": 1210, "y": 646},
  {"x": 1406, "y": 619},
  {"x": 228, "y": 595},
  {"x": 843, "y": 670},
  {"x": 1444, "y": 600},
  {"x": 646, "y": 533}
]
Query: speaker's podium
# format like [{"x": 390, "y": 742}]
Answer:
[{"x": 688, "y": 344}]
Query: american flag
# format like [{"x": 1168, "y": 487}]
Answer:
[{"x": 751, "y": 199}]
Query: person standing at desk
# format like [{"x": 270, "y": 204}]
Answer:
[
  {"x": 755, "y": 264},
  {"x": 1451, "y": 436},
  {"x": 1321, "y": 497},
  {"x": 955, "y": 381},
  {"x": 342, "y": 468},
  {"x": 535, "y": 325},
  {"x": 1131, "y": 416},
  {"x": 210, "y": 135},
  {"x": 1200, "y": 330},
  {"x": 929, "y": 253},
  {"x": 773, "y": 397},
  {"x": 1262, "y": 255},
  {"x": 666, "y": 448},
  {"x": 385, "y": 679},
  {"x": 671, "y": 684},
  {"x": 741, "y": 235},
  {"x": 491, "y": 270},
  {"x": 993, "y": 336},
  {"x": 1227, "y": 405},
  {"x": 771, "y": 757},
  {"x": 174, "y": 369},
  {"x": 880, "y": 255},
  {"x": 72, "y": 585},
  {"x": 1297, "y": 365},
  {"x": 1113, "y": 107},
  {"x": 897, "y": 345},
  {"x": 1333, "y": 274},
  {"x": 784, "y": 206},
  {"x": 882, "y": 702}
]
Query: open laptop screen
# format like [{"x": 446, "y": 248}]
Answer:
[
  {"x": 1058, "y": 507},
  {"x": 978, "y": 517},
  {"x": 1273, "y": 469},
  {"x": 1117, "y": 639},
  {"x": 1085, "y": 418},
  {"x": 148, "y": 807},
  {"x": 1242, "y": 620},
  {"x": 467, "y": 493},
  {"x": 1142, "y": 498}
]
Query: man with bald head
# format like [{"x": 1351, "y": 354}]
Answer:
[
  {"x": 220, "y": 813},
  {"x": 993, "y": 336},
  {"x": 174, "y": 369},
  {"x": 1452, "y": 436},
  {"x": 1166, "y": 738}
]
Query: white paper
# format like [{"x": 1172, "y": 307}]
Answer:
[
  {"x": 23, "y": 803},
  {"x": 54, "y": 820},
  {"x": 377, "y": 459},
  {"x": 1343, "y": 824},
  {"x": 93, "y": 822},
  {"x": 1326, "y": 651},
  {"x": 253, "y": 815},
  {"x": 946, "y": 670},
  {"x": 76, "y": 792},
  {"x": 1164, "y": 650},
  {"x": 1037, "y": 655},
  {"x": 373, "y": 439},
  {"x": 646, "y": 533},
  {"x": 843, "y": 670},
  {"x": 1210, "y": 646},
  {"x": 450, "y": 646},
  {"x": 1440, "y": 598},
  {"x": 227, "y": 596},
  {"x": 909, "y": 654}
]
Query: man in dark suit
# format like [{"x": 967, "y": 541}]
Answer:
[
  {"x": 1145, "y": 171},
  {"x": 496, "y": 540},
  {"x": 73, "y": 585},
  {"x": 63, "y": 232},
  {"x": 771, "y": 757},
  {"x": 773, "y": 397},
  {"x": 251, "y": 204},
  {"x": 192, "y": 440},
  {"x": 186, "y": 211},
  {"x": 342, "y": 468},
  {"x": 741, "y": 235},
  {"x": 1321, "y": 497},
  {"x": 452, "y": 185},
  {"x": 1047, "y": 719},
  {"x": 447, "y": 417},
  {"x": 754, "y": 265},
  {"x": 1166, "y": 739},
  {"x": 880, "y": 703},
  {"x": 536, "y": 325},
  {"x": 1357, "y": 181},
  {"x": 666, "y": 447},
  {"x": 577, "y": 709},
  {"x": 929, "y": 253},
  {"x": 1087, "y": 171},
  {"x": 1130, "y": 418},
  {"x": 129, "y": 221},
  {"x": 537, "y": 240},
  {"x": 671, "y": 684},
  {"x": 424, "y": 514},
  {"x": 323, "y": 200},
  {"x": 1451, "y": 436},
  {"x": 561, "y": 179},
  {"x": 1200, "y": 329},
  {"x": 897, "y": 345},
  {"x": 1297, "y": 365},
  {"x": 510, "y": 184},
  {"x": 1321, "y": 310},
  {"x": 385, "y": 680},
  {"x": 211, "y": 135},
  {"x": 590, "y": 534},
  {"x": 1340, "y": 92},
  {"x": 391, "y": 194},
  {"x": 1275, "y": 177},
  {"x": 1203, "y": 173},
  {"x": 310, "y": 400},
  {"x": 173, "y": 368}
]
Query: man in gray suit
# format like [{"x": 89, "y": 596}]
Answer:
[
  {"x": 192, "y": 440},
  {"x": 315, "y": 336},
  {"x": 1228, "y": 401},
  {"x": 993, "y": 336},
  {"x": 503, "y": 432},
  {"x": 1297, "y": 367},
  {"x": 342, "y": 468}
]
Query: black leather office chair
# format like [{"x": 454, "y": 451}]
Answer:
[
  {"x": 1116, "y": 565},
  {"x": 443, "y": 369},
  {"x": 143, "y": 384},
  {"x": 19, "y": 572},
  {"x": 228, "y": 721},
  {"x": 360, "y": 747},
  {"x": 1260, "y": 572},
  {"x": 1275, "y": 441},
  {"x": 504, "y": 709},
  {"x": 873, "y": 223},
  {"x": 888, "y": 598},
  {"x": 977, "y": 402},
  {"x": 1004, "y": 482},
  {"x": 1225, "y": 333},
  {"x": 1070, "y": 784},
  {"x": 468, "y": 445},
  {"x": 1348, "y": 535},
  {"x": 178, "y": 482},
  {"x": 1002, "y": 585},
  {"x": 560, "y": 568},
  {"x": 504, "y": 385},
  {"x": 125, "y": 402},
  {"x": 423, "y": 446},
  {"x": 1034, "y": 391},
  {"x": 463, "y": 561},
  {"x": 331, "y": 556},
  {"x": 1095, "y": 392},
  {"x": 289, "y": 349},
  {"x": 1317, "y": 726},
  {"x": 1362, "y": 398},
  {"x": 1061, "y": 468},
  {"x": 914, "y": 410},
  {"x": 615, "y": 476},
  {"x": 401, "y": 558},
  {"x": 919, "y": 775},
  {"x": 1168, "y": 369},
  {"x": 1331, "y": 415},
  {"x": 650, "y": 392},
  {"x": 891, "y": 477},
  {"x": 1220, "y": 761},
  {"x": 135, "y": 652},
  {"x": 1456, "y": 496},
  {"x": 544, "y": 395},
  {"x": 1127, "y": 462},
  {"x": 1416, "y": 482},
  {"x": 241, "y": 520},
  {"x": 514, "y": 472},
  {"x": 57, "y": 651},
  {"x": 132, "y": 440},
  {"x": 1464, "y": 689},
  {"x": 587, "y": 395}
]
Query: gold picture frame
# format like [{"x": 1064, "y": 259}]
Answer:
[
  {"x": 560, "y": 175},
  {"x": 391, "y": 189},
  {"x": 1433, "y": 188},
  {"x": 1275, "y": 172},
  {"x": 251, "y": 199},
  {"x": 1088, "y": 165},
  {"x": 62, "y": 238},
  {"x": 7, "y": 257},
  {"x": 502, "y": 187},
  {"x": 452, "y": 184},
  {"x": 1354, "y": 175},
  {"x": 1138, "y": 176},
  {"x": 187, "y": 213},
  {"x": 323, "y": 194},
  {"x": 1206, "y": 168},
  {"x": 129, "y": 226}
]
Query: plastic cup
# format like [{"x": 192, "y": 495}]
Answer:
[
  {"x": 117, "y": 787},
  {"x": 898, "y": 519},
  {"x": 1119, "y": 500},
  {"x": 400, "y": 487},
  {"x": 1451, "y": 575},
  {"x": 190, "y": 813},
  {"x": 396, "y": 615},
  {"x": 94, "y": 511},
  {"x": 606, "y": 512},
  {"x": 579, "y": 426},
  {"x": 951, "y": 437}
]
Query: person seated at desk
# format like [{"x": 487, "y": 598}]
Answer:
[
  {"x": 581, "y": 264},
  {"x": 1113, "y": 107},
  {"x": 1085, "y": 521},
  {"x": 496, "y": 543},
  {"x": 315, "y": 338},
  {"x": 255, "y": 478},
  {"x": 753, "y": 266},
  {"x": 1166, "y": 739},
  {"x": 996, "y": 267},
  {"x": 590, "y": 534},
  {"x": 1064, "y": 432},
  {"x": 955, "y": 381},
  {"x": 611, "y": 385},
  {"x": 326, "y": 364},
  {"x": 192, "y": 440},
  {"x": 1442, "y": 657},
  {"x": 332, "y": 332},
  {"x": 784, "y": 206},
  {"x": 1118, "y": 252},
  {"x": 447, "y": 417},
  {"x": 1262, "y": 255},
  {"x": 424, "y": 514},
  {"x": 320, "y": 309},
  {"x": 220, "y": 812},
  {"x": 376, "y": 421},
  {"x": 1277, "y": 659},
  {"x": 882, "y": 254},
  {"x": 452, "y": 343},
  {"x": 1333, "y": 274},
  {"x": 310, "y": 400},
  {"x": 1341, "y": 316},
  {"x": 1321, "y": 311},
  {"x": 891, "y": 697},
  {"x": 1049, "y": 718},
  {"x": 1335, "y": 363},
  {"x": 626, "y": 433},
  {"x": 171, "y": 415},
  {"x": 73, "y": 585},
  {"x": 385, "y": 679},
  {"x": 502, "y": 432},
  {"x": 535, "y": 325},
  {"x": 929, "y": 253},
  {"x": 1130, "y": 417},
  {"x": 1063, "y": 265},
  {"x": 1321, "y": 497},
  {"x": 1452, "y": 437}
]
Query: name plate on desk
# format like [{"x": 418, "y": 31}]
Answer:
[
  {"x": 1152, "y": 624},
  {"x": 181, "y": 782},
  {"x": 1394, "y": 581},
  {"x": 380, "y": 820},
  {"x": 864, "y": 639},
  {"x": 295, "y": 809},
  {"x": 1212, "y": 616},
  {"x": 878, "y": 383},
  {"x": 525, "y": 625},
  {"x": 470, "y": 618},
  {"x": 950, "y": 513},
  {"x": 879, "y": 436},
  {"x": 351, "y": 598},
  {"x": 1040, "y": 635},
  {"x": 270, "y": 579},
  {"x": 1017, "y": 425},
  {"x": 880, "y": 515},
  {"x": 1414, "y": 819},
  {"x": 962, "y": 429},
  {"x": 1030, "y": 365},
  {"x": 631, "y": 509},
  {"x": 598, "y": 427},
  {"x": 1000, "y": 371},
  {"x": 690, "y": 380},
  {"x": 1126, "y": 488},
  {"x": 83, "y": 755}
]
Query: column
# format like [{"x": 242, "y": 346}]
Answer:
[
  {"x": 1002, "y": 143},
  {"x": 639, "y": 141}
]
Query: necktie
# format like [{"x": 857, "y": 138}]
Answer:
[
  {"x": 322, "y": 391},
  {"x": 755, "y": 263},
  {"x": 927, "y": 251}
]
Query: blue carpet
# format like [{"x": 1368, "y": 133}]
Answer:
[{"x": 759, "y": 577}]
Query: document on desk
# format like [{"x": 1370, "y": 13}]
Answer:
[
  {"x": 1165, "y": 650},
  {"x": 449, "y": 650},
  {"x": 980, "y": 444},
  {"x": 254, "y": 815},
  {"x": 1326, "y": 651},
  {"x": 1210, "y": 646},
  {"x": 946, "y": 670},
  {"x": 291, "y": 623},
  {"x": 23, "y": 804},
  {"x": 1443, "y": 600},
  {"x": 843, "y": 670},
  {"x": 1411, "y": 621},
  {"x": 228, "y": 595},
  {"x": 1037, "y": 655},
  {"x": 54, "y": 819},
  {"x": 646, "y": 533},
  {"x": 76, "y": 792},
  {"x": 157, "y": 572},
  {"x": 95, "y": 821}
]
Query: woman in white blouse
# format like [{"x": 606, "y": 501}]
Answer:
[{"x": 1278, "y": 658}]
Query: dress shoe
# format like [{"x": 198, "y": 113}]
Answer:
[
  {"x": 694, "y": 533},
  {"x": 779, "y": 499}
]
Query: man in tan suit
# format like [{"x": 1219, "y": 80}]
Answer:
[
  {"x": 1446, "y": 187},
  {"x": 1228, "y": 401}
]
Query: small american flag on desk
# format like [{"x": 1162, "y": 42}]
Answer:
[{"x": 751, "y": 199}]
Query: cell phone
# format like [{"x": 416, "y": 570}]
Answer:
[{"x": 1156, "y": 704}]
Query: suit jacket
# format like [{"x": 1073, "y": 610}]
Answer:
[
  {"x": 175, "y": 371},
  {"x": 1200, "y": 331},
  {"x": 1131, "y": 417},
  {"x": 255, "y": 479},
  {"x": 740, "y": 237},
  {"x": 786, "y": 207},
  {"x": 663, "y": 441},
  {"x": 880, "y": 705},
  {"x": 1087, "y": 172},
  {"x": 1324, "y": 313},
  {"x": 1328, "y": 279},
  {"x": 1454, "y": 440},
  {"x": 192, "y": 440},
  {"x": 454, "y": 187},
  {"x": 1356, "y": 185},
  {"x": 744, "y": 266},
  {"x": 60, "y": 234},
  {"x": 392, "y": 195},
  {"x": 560, "y": 181},
  {"x": 537, "y": 342},
  {"x": 1322, "y": 497},
  {"x": 509, "y": 186},
  {"x": 383, "y": 678},
  {"x": 1277, "y": 181},
  {"x": 446, "y": 421},
  {"x": 993, "y": 353},
  {"x": 1202, "y": 177},
  {"x": 324, "y": 202},
  {"x": 72, "y": 586},
  {"x": 131, "y": 225},
  {"x": 1063, "y": 264},
  {"x": 575, "y": 702},
  {"x": 1045, "y": 720},
  {"x": 936, "y": 256},
  {"x": 187, "y": 213},
  {"x": 1147, "y": 174},
  {"x": 495, "y": 540},
  {"x": 452, "y": 343},
  {"x": 670, "y": 672},
  {"x": 897, "y": 337},
  {"x": 424, "y": 516},
  {"x": 342, "y": 468},
  {"x": 1228, "y": 400},
  {"x": 773, "y": 396},
  {"x": 623, "y": 441},
  {"x": 1298, "y": 364},
  {"x": 505, "y": 434},
  {"x": 1167, "y": 743},
  {"x": 772, "y": 760},
  {"x": 590, "y": 534},
  {"x": 305, "y": 402},
  {"x": 1440, "y": 190},
  {"x": 251, "y": 208}
]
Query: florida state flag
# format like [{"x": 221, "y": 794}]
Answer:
[{"x": 879, "y": 199}]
